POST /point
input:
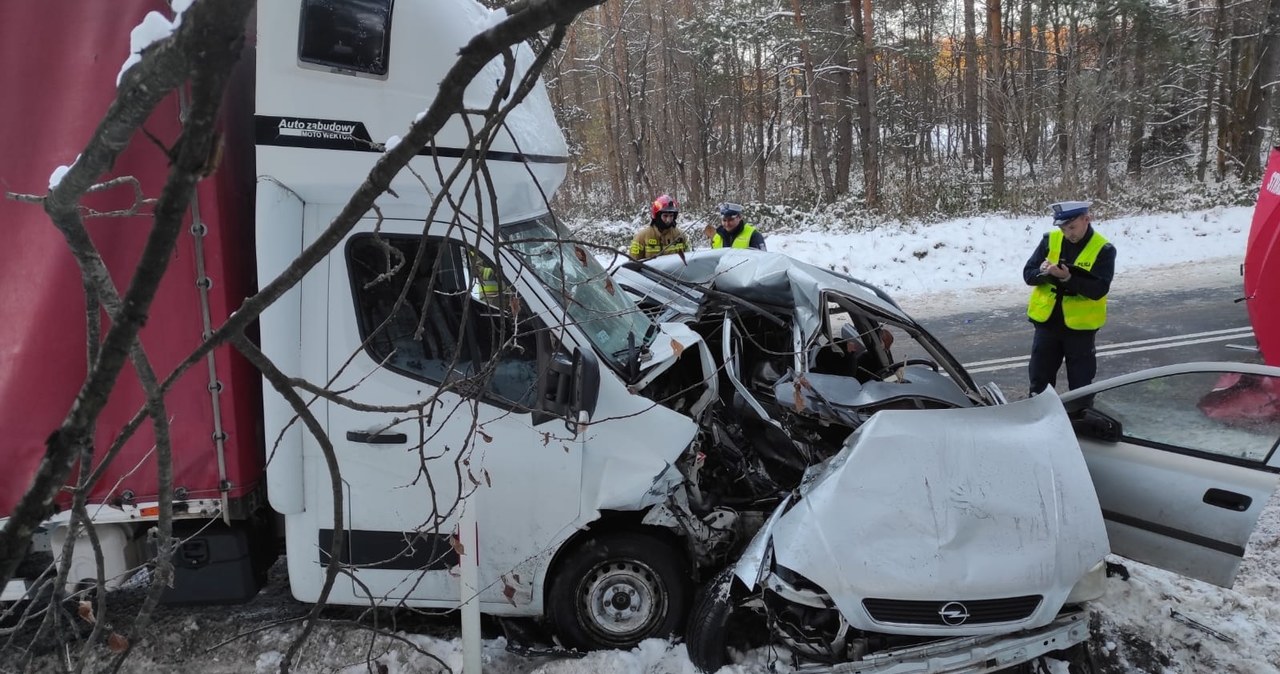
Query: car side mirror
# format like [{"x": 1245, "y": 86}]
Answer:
[{"x": 1090, "y": 423}]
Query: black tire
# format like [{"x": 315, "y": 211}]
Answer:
[
  {"x": 707, "y": 635},
  {"x": 616, "y": 590}
]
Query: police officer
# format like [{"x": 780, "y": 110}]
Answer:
[
  {"x": 733, "y": 232},
  {"x": 660, "y": 236},
  {"x": 1070, "y": 271}
]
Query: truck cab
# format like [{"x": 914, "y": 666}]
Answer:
[{"x": 479, "y": 358}]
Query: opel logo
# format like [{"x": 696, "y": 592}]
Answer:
[{"x": 953, "y": 613}]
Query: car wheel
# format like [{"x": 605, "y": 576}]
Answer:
[
  {"x": 617, "y": 590},
  {"x": 707, "y": 636}
]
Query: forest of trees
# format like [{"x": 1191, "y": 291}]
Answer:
[{"x": 910, "y": 107}]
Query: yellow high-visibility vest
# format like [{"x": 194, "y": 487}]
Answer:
[
  {"x": 1078, "y": 312},
  {"x": 743, "y": 240},
  {"x": 488, "y": 283}
]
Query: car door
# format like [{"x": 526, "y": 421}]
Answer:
[
  {"x": 441, "y": 373},
  {"x": 1183, "y": 459}
]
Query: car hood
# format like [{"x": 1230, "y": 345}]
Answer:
[{"x": 959, "y": 504}]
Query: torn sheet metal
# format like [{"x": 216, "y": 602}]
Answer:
[
  {"x": 919, "y": 504},
  {"x": 841, "y": 398},
  {"x": 666, "y": 349},
  {"x": 773, "y": 278}
]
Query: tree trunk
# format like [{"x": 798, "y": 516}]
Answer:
[
  {"x": 869, "y": 125},
  {"x": 1258, "y": 107},
  {"x": 628, "y": 118},
  {"x": 1138, "y": 121},
  {"x": 1210, "y": 100},
  {"x": 843, "y": 102},
  {"x": 995, "y": 99},
  {"x": 1100, "y": 134},
  {"x": 1227, "y": 110},
  {"x": 762, "y": 146},
  {"x": 1026, "y": 101},
  {"x": 974, "y": 137},
  {"x": 817, "y": 131}
]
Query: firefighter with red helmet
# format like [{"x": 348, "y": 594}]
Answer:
[{"x": 660, "y": 236}]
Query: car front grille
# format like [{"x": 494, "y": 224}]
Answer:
[{"x": 952, "y": 613}]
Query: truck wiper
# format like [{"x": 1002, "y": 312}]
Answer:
[
  {"x": 633, "y": 356},
  {"x": 634, "y": 352}
]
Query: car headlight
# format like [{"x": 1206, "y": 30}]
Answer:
[{"x": 1091, "y": 585}]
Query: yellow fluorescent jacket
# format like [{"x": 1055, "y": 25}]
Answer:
[
  {"x": 743, "y": 240},
  {"x": 1078, "y": 312}
]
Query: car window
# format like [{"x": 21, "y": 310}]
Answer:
[
  {"x": 457, "y": 322},
  {"x": 1221, "y": 414}
]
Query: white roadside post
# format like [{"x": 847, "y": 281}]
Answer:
[{"x": 469, "y": 576}]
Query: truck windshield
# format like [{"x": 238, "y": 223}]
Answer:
[{"x": 580, "y": 284}]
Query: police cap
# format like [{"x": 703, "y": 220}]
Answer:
[{"x": 1066, "y": 211}]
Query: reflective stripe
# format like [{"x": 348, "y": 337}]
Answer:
[
  {"x": 1078, "y": 312},
  {"x": 488, "y": 283},
  {"x": 654, "y": 248},
  {"x": 646, "y": 244}
]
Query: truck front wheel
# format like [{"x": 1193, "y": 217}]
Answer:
[{"x": 617, "y": 590}]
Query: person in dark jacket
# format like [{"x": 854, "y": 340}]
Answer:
[
  {"x": 733, "y": 232},
  {"x": 1070, "y": 273}
]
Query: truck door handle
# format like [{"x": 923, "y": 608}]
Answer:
[
  {"x": 377, "y": 438},
  {"x": 1228, "y": 499}
]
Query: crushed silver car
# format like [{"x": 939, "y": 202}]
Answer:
[{"x": 903, "y": 519}]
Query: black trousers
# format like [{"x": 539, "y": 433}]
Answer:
[{"x": 1051, "y": 345}]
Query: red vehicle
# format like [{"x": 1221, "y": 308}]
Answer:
[
  {"x": 59, "y": 84},
  {"x": 1262, "y": 262}
]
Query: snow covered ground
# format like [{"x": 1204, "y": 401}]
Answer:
[{"x": 933, "y": 270}]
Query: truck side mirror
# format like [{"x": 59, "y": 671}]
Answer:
[
  {"x": 559, "y": 383},
  {"x": 572, "y": 385},
  {"x": 586, "y": 383}
]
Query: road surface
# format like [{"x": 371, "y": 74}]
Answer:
[{"x": 1144, "y": 329}]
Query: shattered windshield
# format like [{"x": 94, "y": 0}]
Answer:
[{"x": 582, "y": 287}]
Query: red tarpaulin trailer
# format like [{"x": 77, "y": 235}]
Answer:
[
  {"x": 1262, "y": 263},
  {"x": 51, "y": 106}
]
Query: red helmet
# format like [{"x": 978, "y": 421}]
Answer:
[{"x": 664, "y": 204}]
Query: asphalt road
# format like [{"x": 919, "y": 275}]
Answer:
[{"x": 1143, "y": 330}]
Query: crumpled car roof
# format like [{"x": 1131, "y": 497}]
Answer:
[{"x": 775, "y": 279}]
